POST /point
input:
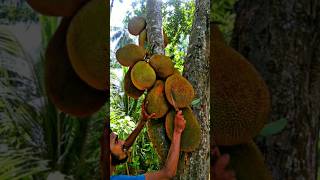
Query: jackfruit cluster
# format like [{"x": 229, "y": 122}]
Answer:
[
  {"x": 76, "y": 59},
  {"x": 166, "y": 89}
]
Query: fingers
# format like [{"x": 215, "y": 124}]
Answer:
[
  {"x": 222, "y": 163},
  {"x": 152, "y": 115}
]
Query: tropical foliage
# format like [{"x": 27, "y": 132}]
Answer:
[{"x": 124, "y": 111}]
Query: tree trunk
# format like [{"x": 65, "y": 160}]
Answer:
[
  {"x": 196, "y": 70},
  {"x": 154, "y": 26},
  {"x": 193, "y": 165},
  {"x": 281, "y": 39},
  {"x": 156, "y": 132}
]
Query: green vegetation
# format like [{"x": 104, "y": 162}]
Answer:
[{"x": 125, "y": 111}]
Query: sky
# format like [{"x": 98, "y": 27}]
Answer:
[{"x": 118, "y": 14}]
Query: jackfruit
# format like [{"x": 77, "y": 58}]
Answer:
[
  {"x": 130, "y": 54},
  {"x": 136, "y": 25},
  {"x": 129, "y": 88},
  {"x": 157, "y": 135},
  {"x": 142, "y": 75},
  {"x": 162, "y": 65},
  {"x": 63, "y": 86},
  {"x": 156, "y": 99},
  {"x": 56, "y": 7},
  {"x": 144, "y": 38},
  {"x": 190, "y": 138},
  {"x": 87, "y": 44},
  {"x": 216, "y": 33},
  {"x": 247, "y": 162},
  {"x": 240, "y": 101},
  {"x": 181, "y": 90}
]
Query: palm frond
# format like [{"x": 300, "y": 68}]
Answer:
[{"x": 17, "y": 163}]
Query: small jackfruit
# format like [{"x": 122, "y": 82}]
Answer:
[
  {"x": 136, "y": 25},
  {"x": 63, "y": 86},
  {"x": 156, "y": 99},
  {"x": 142, "y": 38},
  {"x": 181, "y": 90},
  {"x": 162, "y": 65},
  {"x": 87, "y": 44},
  {"x": 142, "y": 75},
  {"x": 129, "y": 88},
  {"x": 130, "y": 54},
  {"x": 190, "y": 138},
  {"x": 247, "y": 162}
]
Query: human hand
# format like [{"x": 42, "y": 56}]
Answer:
[
  {"x": 179, "y": 122},
  {"x": 145, "y": 116},
  {"x": 219, "y": 171}
]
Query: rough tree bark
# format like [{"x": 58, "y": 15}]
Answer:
[
  {"x": 193, "y": 165},
  {"x": 154, "y": 26},
  {"x": 281, "y": 38},
  {"x": 196, "y": 70}
]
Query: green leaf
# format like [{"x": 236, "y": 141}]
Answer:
[
  {"x": 274, "y": 127},
  {"x": 195, "y": 102}
]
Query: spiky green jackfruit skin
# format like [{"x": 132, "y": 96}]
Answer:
[
  {"x": 162, "y": 65},
  {"x": 56, "y": 7},
  {"x": 190, "y": 138},
  {"x": 247, "y": 162},
  {"x": 63, "y": 86},
  {"x": 156, "y": 99},
  {"x": 157, "y": 135},
  {"x": 129, "y": 88},
  {"x": 136, "y": 25},
  {"x": 87, "y": 44},
  {"x": 142, "y": 75},
  {"x": 130, "y": 54},
  {"x": 240, "y": 100},
  {"x": 181, "y": 90}
]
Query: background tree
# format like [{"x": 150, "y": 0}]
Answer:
[{"x": 281, "y": 39}]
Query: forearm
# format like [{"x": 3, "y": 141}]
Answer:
[
  {"x": 132, "y": 137},
  {"x": 173, "y": 155}
]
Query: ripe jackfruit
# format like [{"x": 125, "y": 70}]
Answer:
[
  {"x": 129, "y": 88},
  {"x": 63, "y": 86},
  {"x": 240, "y": 101},
  {"x": 190, "y": 138},
  {"x": 156, "y": 99},
  {"x": 142, "y": 75},
  {"x": 136, "y": 25},
  {"x": 130, "y": 54},
  {"x": 87, "y": 44},
  {"x": 56, "y": 7},
  {"x": 181, "y": 90},
  {"x": 162, "y": 65}
]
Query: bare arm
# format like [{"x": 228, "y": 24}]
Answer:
[
  {"x": 132, "y": 137},
  {"x": 143, "y": 119},
  {"x": 170, "y": 168}
]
